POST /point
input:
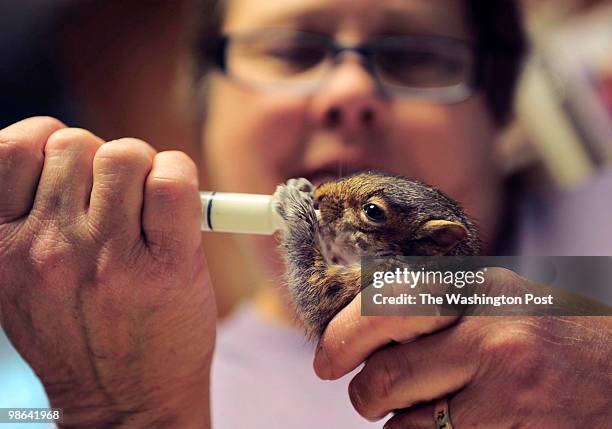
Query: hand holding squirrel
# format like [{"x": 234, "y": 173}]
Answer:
[{"x": 492, "y": 370}]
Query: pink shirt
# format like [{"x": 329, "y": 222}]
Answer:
[{"x": 262, "y": 378}]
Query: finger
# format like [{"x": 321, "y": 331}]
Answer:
[
  {"x": 422, "y": 416},
  {"x": 21, "y": 162},
  {"x": 406, "y": 374},
  {"x": 65, "y": 182},
  {"x": 120, "y": 169},
  {"x": 350, "y": 337},
  {"x": 462, "y": 411},
  {"x": 172, "y": 212},
  {"x": 418, "y": 417}
]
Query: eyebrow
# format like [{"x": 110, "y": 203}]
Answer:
[
  {"x": 400, "y": 18},
  {"x": 430, "y": 21},
  {"x": 394, "y": 20}
]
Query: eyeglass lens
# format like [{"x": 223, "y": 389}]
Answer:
[{"x": 399, "y": 61}]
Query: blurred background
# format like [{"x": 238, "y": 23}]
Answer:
[
  {"x": 124, "y": 68},
  {"x": 563, "y": 104}
]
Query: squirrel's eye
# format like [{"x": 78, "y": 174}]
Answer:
[{"x": 374, "y": 212}]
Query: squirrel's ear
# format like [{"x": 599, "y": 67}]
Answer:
[{"x": 445, "y": 235}]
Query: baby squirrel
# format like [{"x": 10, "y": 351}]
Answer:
[{"x": 366, "y": 214}]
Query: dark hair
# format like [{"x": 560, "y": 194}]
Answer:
[{"x": 498, "y": 30}]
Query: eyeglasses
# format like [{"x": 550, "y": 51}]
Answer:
[{"x": 440, "y": 69}]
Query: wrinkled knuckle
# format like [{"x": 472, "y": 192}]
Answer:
[
  {"x": 12, "y": 152},
  {"x": 39, "y": 122},
  {"x": 10, "y": 243},
  {"x": 170, "y": 190},
  {"x": 374, "y": 386},
  {"x": 99, "y": 234},
  {"x": 385, "y": 378},
  {"x": 111, "y": 259},
  {"x": 515, "y": 348},
  {"x": 164, "y": 248},
  {"x": 134, "y": 144},
  {"x": 15, "y": 152},
  {"x": 499, "y": 274},
  {"x": 48, "y": 122},
  {"x": 502, "y": 281},
  {"x": 504, "y": 275},
  {"x": 50, "y": 251},
  {"x": 67, "y": 138},
  {"x": 185, "y": 160},
  {"x": 124, "y": 154}
]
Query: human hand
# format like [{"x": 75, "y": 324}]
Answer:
[
  {"x": 103, "y": 285},
  {"x": 499, "y": 372}
]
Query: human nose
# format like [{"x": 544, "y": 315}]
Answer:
[{"x": 350, "y": 100}]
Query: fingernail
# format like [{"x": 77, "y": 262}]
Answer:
[{"x": 321, "y": 364}]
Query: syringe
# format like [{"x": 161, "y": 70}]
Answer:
[{"x": 241, "y": 213}]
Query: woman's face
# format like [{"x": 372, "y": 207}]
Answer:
[{"x": 255, "y": 139}]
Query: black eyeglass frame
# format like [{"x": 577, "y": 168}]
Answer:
[{"x": 214, "y": 49}]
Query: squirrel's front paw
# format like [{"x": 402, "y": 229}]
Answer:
[
  {"x": 302, "y": 185},
  {"x": 294, "y": 201}
]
